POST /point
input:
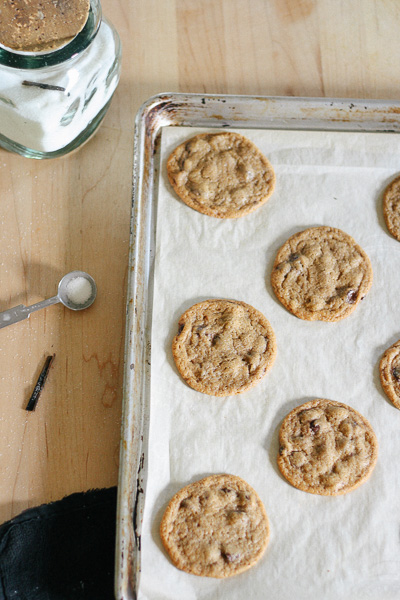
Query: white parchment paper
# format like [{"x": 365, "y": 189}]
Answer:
[{"x": 346, "y": 547}]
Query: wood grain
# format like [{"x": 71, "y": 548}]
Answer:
[{"x": 73, "y": 213}]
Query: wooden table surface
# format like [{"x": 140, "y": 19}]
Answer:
[{"x": 73, "y": 213}]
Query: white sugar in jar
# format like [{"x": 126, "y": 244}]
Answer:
[{"x": 51, "y": 102}]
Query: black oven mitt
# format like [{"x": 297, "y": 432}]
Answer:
[{"x": 61, "y": 551}]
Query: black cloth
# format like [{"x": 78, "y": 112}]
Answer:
[{"x": 64, "y": 550}]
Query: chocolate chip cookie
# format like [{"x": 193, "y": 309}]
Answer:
[
  {"x": 389, "y": 371},
  {"x": 223, "y": 347},
  {"x": 321, "y": 274},
  {"x": 36, "y": 26},
  {"x": 391, "y": 207},
  {"x": 222, "y": 175},
  {"x": 215, "y": 527},
  {"x": 326, "y": 448}
]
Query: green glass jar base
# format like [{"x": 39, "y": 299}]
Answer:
[{"x": 83, "y": 137}]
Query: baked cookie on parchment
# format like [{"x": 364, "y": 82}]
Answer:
[
  {"x": 223, "y": 347},
  {"x": 215, "y": 527},
  {"x": 222, "y": 175},
  {"x": 326, "y": 448},
  {"x": 389, "y": 371},
  {"x": 321, "y": 274},
  {"x": 391, "y": 207}
]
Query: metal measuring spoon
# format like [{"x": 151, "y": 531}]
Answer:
[{"x": 67, "y": 295}]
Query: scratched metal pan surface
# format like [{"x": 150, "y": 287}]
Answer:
[{"x": 208, "y": 111}]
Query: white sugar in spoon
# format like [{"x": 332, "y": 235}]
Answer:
[{"x": 77, "y": 290}]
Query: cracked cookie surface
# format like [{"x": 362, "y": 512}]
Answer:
[
  {"x": 223, "y": 347},
  {"x": 389, "y": 371},
  {"x": 321, "y": 274},
  {"x": 215, "y": 527},
  {"x": 326, "y": 448},
  {"x": 391, "y": 207},
  {"x": 222, "y": 175}
]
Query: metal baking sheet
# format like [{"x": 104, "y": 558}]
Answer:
[{"x": 209, "y": 112}]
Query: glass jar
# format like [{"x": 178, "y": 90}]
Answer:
[{"x": 51, "y": 102}]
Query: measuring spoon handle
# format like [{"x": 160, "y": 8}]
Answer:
[{"x": 21, "y": 312}]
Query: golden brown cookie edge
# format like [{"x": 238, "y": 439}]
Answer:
[
  {"x": 317, "y": 403},
  {"x": 384, "y": 373},
  {"x": 180, "y": 362},
  {"x": 187, "y": 199},
  {"x": 304, "y": 314},
  {"x": 386, "y": 211},
  {"x": 175, "y": 501}
]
